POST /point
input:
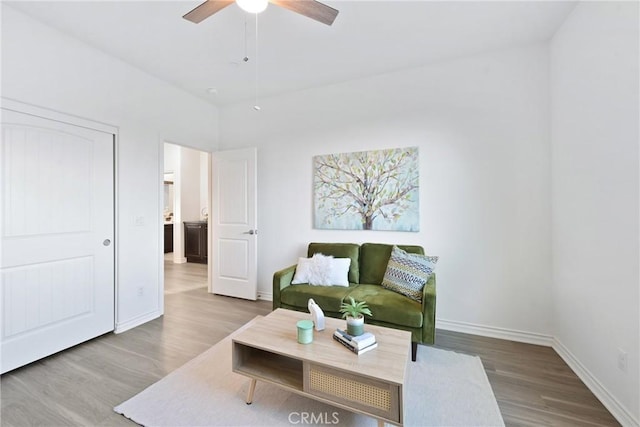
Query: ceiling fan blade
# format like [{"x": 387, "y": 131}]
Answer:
[
  {"x": 206, "y": 9},
  {"x": 310, "y": 8}
]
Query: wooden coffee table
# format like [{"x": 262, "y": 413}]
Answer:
[{"x": 371, "y": 383}]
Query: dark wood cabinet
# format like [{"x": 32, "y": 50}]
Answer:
[
  {"x": 195, "y": 241},
  {"x": 168, "y": 238}
]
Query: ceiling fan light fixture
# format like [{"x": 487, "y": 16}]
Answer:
[{"x": 253, "y": 6}]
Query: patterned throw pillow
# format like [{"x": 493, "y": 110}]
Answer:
[{"x": 408, "y": 273}]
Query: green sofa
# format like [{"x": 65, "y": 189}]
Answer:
[{"x": 368, "y": 265}]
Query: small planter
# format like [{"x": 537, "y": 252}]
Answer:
[
  {"x": 354, "y": 312},
  {"x": 355, "y": 325}
]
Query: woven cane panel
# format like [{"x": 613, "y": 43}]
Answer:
[{"x": 346, "y": 388}]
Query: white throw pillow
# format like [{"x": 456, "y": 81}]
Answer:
[
  {"x": 340, "y": 271},
  {"x": 322, "y": 270},
  {"x": 302, "y": 271}
]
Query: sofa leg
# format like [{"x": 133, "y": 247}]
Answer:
[{"x": 414, "y": 351}]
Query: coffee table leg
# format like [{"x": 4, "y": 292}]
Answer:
[{"x": 252, "y": 388}]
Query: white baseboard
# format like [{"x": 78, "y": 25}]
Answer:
[
  {"x": 137, "y": 321},
  {"x": 265, "y": 296},
  {"x": 494, "y": 332},
  {"x": 620, "y": 413}
]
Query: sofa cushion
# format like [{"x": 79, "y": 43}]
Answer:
[
  {"x": 329, "y": 298},
  {"x": 375, "y": 257},
  {"x": 322, "y": 270},
  {"x": 408, "y": 273},
  {"x": 388, "y": 306},
  {"x": 340, "y": 250}
]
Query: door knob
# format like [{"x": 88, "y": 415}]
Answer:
[
  {"x": 106, "y": 242},
  {"x": 251, "y": 232}
]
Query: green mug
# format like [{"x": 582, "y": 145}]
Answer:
[{"x": 305, "y": 331}]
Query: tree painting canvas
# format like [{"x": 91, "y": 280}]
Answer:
[{"x": 367, "y": 190}]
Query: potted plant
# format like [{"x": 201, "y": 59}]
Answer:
[{"x": 354, "y": 312}]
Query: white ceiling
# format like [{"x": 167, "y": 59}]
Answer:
[{"x": 294, "y": 52}]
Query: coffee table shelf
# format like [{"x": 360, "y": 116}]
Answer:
[{"x": 267, "y": 366}]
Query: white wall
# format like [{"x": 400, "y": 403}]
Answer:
[
  {"x": 171, "y": 157},
  {"x": 190, "y": 184},
  {"x": 481, "y": 124},
  {"x": 204, "y": 183},
  {"x": 44, "y": 67},
  {"x": 595, "y": 196}
]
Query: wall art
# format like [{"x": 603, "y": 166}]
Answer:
[{"x": 367, "y": 190}]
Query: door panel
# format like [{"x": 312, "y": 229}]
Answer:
[
  {"x": 192, "y": 242},
  {"x": 233, "y": 177},
  {"x": 234, "y": 238},
  {"x": 52, "y": 304},
  {"x": 57, "y": 258},
  {"x": 35, "y": 187},
  {"x": 233, "y": 259}
]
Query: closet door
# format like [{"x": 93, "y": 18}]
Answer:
[{"x": 57, "y": 228}]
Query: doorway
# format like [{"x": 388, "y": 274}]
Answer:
[{"x": 185, "y": 210}]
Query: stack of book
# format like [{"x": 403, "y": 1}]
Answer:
[{"x": 358, "y": 345}]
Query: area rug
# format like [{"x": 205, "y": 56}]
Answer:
[{"x": 444, "y": 388}]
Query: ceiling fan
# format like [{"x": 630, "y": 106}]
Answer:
[{"x": 310, "y": 8}]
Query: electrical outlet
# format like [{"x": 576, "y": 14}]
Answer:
[
  {"x": 140, "y": 291},
  {"x": 622, "y": 360},
  {"x": 138, "y": 221}
]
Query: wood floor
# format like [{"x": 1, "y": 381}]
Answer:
[{"x": 80, "y": 386}]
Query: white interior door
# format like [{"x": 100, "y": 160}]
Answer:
[
  {"x": 57, "y": 228},
  {"x": 234, "y": 230}
]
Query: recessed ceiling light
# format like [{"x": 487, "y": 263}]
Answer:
[{"x": 212, "y": 91}]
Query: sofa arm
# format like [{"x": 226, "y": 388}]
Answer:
[
  {"x": 429, "y": 311},
  {"x": 281, "y": 279}
]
